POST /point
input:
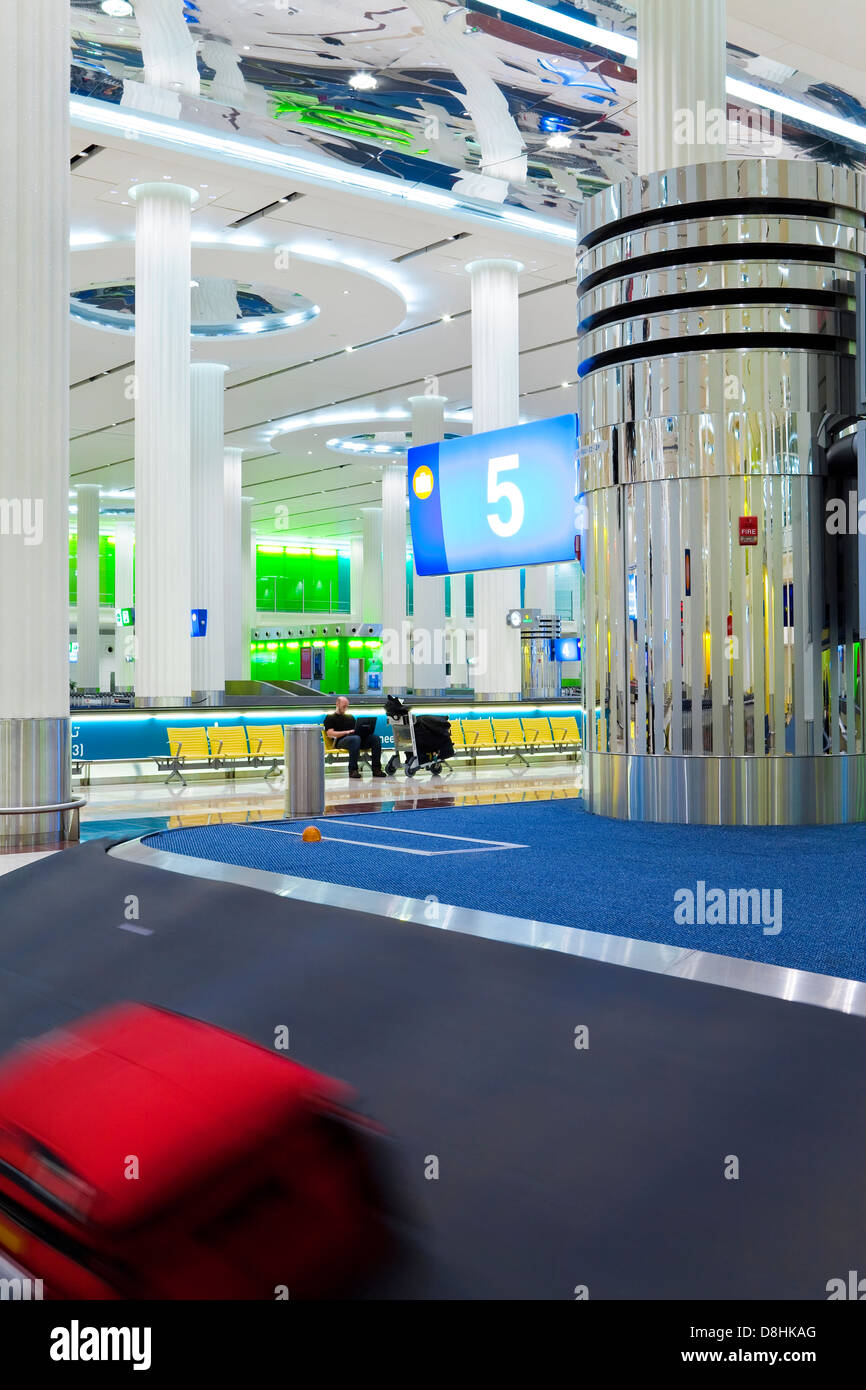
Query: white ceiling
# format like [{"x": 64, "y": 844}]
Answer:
[
  {"x": 343, "y": 255},
  {"x": 390, "y": 314},
  {"x": 827, "y": 40}
]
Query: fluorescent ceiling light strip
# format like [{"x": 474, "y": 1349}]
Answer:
[
  {"x": 565, "y": 24},
  {"x": 102, "y": 116},
  {"x": 745, "y": 91},
  {"x": 797, "y": 110}
]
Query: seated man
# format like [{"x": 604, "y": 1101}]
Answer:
[{"x": 340, "y": 728}]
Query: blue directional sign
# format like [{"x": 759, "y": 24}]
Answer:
[{"x": 497, "y": 500}]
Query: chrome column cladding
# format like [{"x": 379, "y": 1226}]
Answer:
[{"x": 722, "y": 663}]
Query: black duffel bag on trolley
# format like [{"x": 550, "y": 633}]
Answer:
[{"x": 433, "y": 736}]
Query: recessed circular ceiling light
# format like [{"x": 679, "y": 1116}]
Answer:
[
  {"x": 559, "y": 141},
  {"x": 117, "y": 9},
  {"x": 363, "y": 82}
]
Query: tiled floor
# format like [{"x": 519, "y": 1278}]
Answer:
[
  {"x": 8, "y": 862},
  {"x": 212, "y": 802}
]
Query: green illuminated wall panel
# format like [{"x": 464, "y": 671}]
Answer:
[
  {"x": 299, "y": 581},
  {"x": 281, "y": 660},
  {"x": 106, "y": 571}
]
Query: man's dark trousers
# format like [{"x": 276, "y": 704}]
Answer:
[{"x": 353, "y": 743}]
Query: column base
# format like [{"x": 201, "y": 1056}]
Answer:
[
  {"x": 35, "y": 770},
  {"x": 824, "y": 790}
]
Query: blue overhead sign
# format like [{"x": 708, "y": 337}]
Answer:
[{"x": 497, "y": 500}]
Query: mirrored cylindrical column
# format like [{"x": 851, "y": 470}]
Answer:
[{"x": 722, "y": 661}]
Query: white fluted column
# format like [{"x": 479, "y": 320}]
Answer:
[
  {"x": 503, "y": 149},
  {"x": 495, "y": 405},
  {"x": 248, "y": 560},
  {"x": 371, "y": 602},
  {"x": 34, "y": 410},
  {"x": 237, "y": 645},
  {"x": 87, "y": 606},
  {"x": 227, "y": 84},
  {"x": 356, "y": 575},
  {"x": 162, "y": 441},
  {"x": 207, "y": 531},
  {"x": 540, "y": 590},
  {"x": 124, "y": 597},
  {"x": 681, "y": 83},
  {"x": 213, "y": 299},
  {"x": 428, "y": 617},
  {"x": 167, "y": 47},
  {"x": 395, "y": 626},
  {"x": 459, "y": 627}
]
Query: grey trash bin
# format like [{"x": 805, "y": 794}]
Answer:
[{"x": 305, "y": 771}]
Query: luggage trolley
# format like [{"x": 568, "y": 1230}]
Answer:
[{"x": 423, "y": 741}]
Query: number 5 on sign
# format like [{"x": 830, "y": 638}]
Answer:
[{"x": 504, "y": 492}]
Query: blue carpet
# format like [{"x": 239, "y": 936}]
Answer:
[{"x": 583, "y": 871}]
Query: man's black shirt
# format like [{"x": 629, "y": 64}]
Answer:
[{"x": 339, "y": 723}]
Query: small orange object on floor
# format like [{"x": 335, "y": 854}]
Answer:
[{"x": 311, "y": 834}]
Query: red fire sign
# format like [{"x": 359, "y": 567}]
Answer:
[{"x": 748, "y": 530}]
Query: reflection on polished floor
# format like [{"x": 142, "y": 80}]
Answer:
[
  {"x": 8, "y": 862},
  {"x": 216, "y": 802}
]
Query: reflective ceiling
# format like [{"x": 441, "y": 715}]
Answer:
[{"x": 457, "y": 97}]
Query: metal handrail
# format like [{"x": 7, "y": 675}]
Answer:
[{"x": 43, "y": 810}]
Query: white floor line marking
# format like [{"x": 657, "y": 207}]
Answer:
[
  {"x": 139, "y": 931},
  {"x": 431, "y": 834},
  {"x": 486, "y": 849},
  {"x": 486, "y": 846},
  {"x": 340, "y": 840}
]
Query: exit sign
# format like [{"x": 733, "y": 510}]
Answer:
[{"x": 748, "y": 530}]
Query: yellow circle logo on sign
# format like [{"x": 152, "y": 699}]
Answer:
[{"x": 422, "y": 482}]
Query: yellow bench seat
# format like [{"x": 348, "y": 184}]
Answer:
[{"x": 228, "y": 744}]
